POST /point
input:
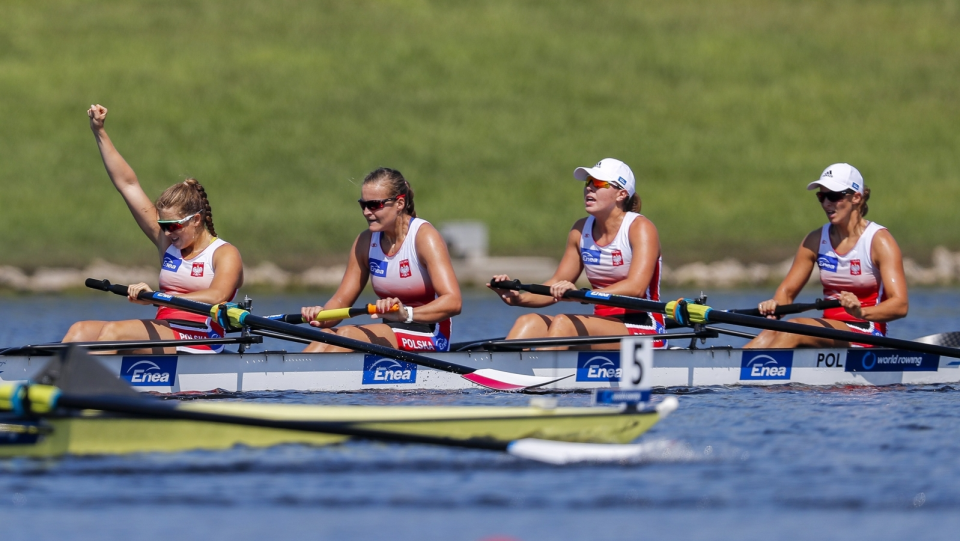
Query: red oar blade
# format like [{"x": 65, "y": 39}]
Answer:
[{"x": 508, "y": 381}]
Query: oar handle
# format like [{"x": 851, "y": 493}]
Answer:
[
  {"x": 586, "y": 295},
  {"x": 105, "y": 285},
  {"x": 332, "y": 315},
  {"x": 796, "y": 308}
]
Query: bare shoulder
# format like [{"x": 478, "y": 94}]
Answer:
[
  {"x": 227, "y": 250},
  {"x": 429, "y": 243},
  {"x": 642, "y": 224},
  {"x": 578, "y": 225},
  {"x": 883, "y": 244},
  {"x": 812, "y": 240}
]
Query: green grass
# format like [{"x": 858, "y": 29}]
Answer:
[{"x": 723, "y": 109}]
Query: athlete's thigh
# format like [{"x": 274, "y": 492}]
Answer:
[
  {"x": 375, "y": 333},
  {"x": 136, "y": 329},
  {"x": 814, "y": 341},
  {"x": 84, "y": 331},
  {"x": 600, "y": 326}
]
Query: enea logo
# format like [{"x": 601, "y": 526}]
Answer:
[
  {"x": 377, "y": 267},
  {"x": 592, "y": 366},
  {"x": 865, "y": 360},
  {"x": 171, "y": 263},
  {"x": 827, "y": 263},
  {"x": 149, "y": 371},
  {"x": 766, "y": 365},
  {"x": 590, "y": 257},
  {"x": 380, "y": 371}
]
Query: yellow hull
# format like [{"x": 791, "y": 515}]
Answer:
[{"x": 96, "y": 433}]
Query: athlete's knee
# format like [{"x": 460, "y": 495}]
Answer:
[
  {"x": 110, "y": 331},
  {"x": 529, "y": 325},
  {"x": 83, "y": 331},
  {"x": 563, "y": 325},
  {"x": 352, "y": 332}
]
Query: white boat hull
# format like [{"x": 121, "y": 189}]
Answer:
[{"x": 584, "y": 369}]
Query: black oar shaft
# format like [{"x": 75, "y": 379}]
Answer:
[
  {"x": 308, "y": 333},
  {"x": 830, "y": 333},
  {"x": 719, "y": 316},
  {"x": 787, "y": 309}
]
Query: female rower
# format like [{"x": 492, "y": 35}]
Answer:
[
  {"x": 195, "y": 264},
  {"x": 407, "y": 262},
  {"x": 860, "y": 264},
  {"x": 620, "y": 251}
]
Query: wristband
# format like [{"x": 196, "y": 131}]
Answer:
[{"x": 409, "y": 311}]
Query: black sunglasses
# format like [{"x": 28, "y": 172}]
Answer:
[
  {"x": 833, "y": 197},
  {"x": 376, "y": 204}
]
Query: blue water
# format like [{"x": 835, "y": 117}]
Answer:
[{"x": 730, "y": 463}]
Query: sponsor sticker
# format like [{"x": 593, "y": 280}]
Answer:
[
  {"x": 405, "y": 269},
  {"x": 380, "y": 371},
  {"x": 610, "y": 397},
  {"x": 855, "y": 267},
  {"x": 594, "y": 366},
  {"x": 590, "y": 257},
  {"x": 766, "y": 365},
  {"x": 149, "y": 371},
  {"x": 886, "y": 360},
  {"x": 827, "y": 263},
  {"x": 596, "y": 295},
  {"x": 377, "y": 267},
  {"x": 171, "y": 263},
  {"x": 197, "y": 270},
  {"x": 162, "y": 296}
]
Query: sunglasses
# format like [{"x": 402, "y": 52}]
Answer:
[
  {"x": 376, "y": 204},
  {"x": 833, "y": 197},
  {"x": 174, "y": 225},
  {"x": 601, "y": 184}
]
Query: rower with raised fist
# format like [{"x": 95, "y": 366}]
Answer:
[
  {"x": 194, "y": 263},
  {"x": 406, "y": 261},
  {"x": 617, "y": 247},
  {"x": 860, "y": 265}
]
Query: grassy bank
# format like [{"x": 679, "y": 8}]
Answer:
[{"x": 724, "y": 110}]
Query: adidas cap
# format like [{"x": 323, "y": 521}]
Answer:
[
  {"x": 611, "y": 170},
  {"x": 839, "y": 177}
]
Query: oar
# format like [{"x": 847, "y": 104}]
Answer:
[
  {"x": 43, "y": 399},
  {"x": 332, "y": 315},
  {"x": 785, "y": 309},
  {"x": 230, "y": 315},
  {"x": 686, "y": 312}
]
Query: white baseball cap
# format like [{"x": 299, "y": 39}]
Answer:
[
  {"x": 839, "y": 177},
  {"x": 611, "y": 170}
]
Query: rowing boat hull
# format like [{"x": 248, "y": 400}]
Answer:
[
  {"x": 95, "y": 433},
  {"x": 583, "y": 370}
]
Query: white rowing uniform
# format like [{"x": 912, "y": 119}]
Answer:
[
  {"x": 854, "y": 272},
  {"x": 179, "y": 276},
  {"x": 608, "y": 264},
  {"x": 404, "y": 277}
]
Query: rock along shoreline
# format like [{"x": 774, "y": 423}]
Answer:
[{"x": 725, "y": 274}]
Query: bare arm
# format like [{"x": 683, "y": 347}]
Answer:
[
  {"x": 352, "y": 284},
  {"x": 797, "y": 276},
  {"x": 432, "y": 250},
  {"x": 888, "y": 259},
  {"x": 568, "y": 271},
  {"x": 125, "y": 180}
]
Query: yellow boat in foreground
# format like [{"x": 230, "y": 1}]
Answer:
[{"x": 95, "y": 432}]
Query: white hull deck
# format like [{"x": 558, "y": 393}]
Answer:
[{"x": 584, "y": 369}]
